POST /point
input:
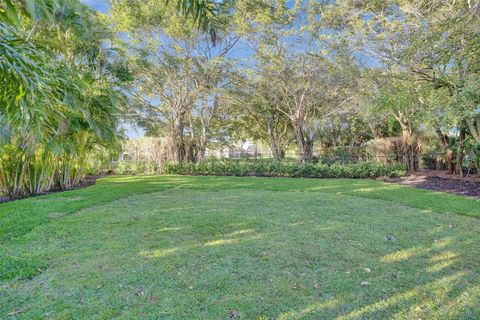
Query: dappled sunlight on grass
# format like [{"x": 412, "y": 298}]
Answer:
[
  {"x": 299, "y": 223},
  {"x": 238, "y": 232},
  {"x": 363, "y": 190},
  {"x": 412, "y": 296},
  {"x": 199, "y": 247},
  {"x": 456, "y": 305},
  {"x": 235, "y": 237},
  {"x": 442, "y": 261},
  {"x": 224, "y": 241},
  {"x": 220, "y": 242},
  {"x": 435, "y": 230},
  {"x": 441, "y": 265},
  {"x": 442, "y": 243},
  {"x": 158, "y": 253},
  {"x": 438, "y": 261},
  {"x": 403, "y": 254},
  {"x": 169, "y": 229},
  {"x": 444, "y": 256},
  {"x": 314, "y": 308}
]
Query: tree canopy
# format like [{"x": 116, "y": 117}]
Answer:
[{"x": 304, "y": 79}]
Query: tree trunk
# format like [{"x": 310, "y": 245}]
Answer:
[
  {"x": 459, "y": 158},
  {"x": 474, "y": 127},
  {"x": 178, "y": 144},
  {"x": 305, "y": 151},
  {"x": 201, "y": 155},
  {"x": 191, "y": 151},
  {"x": 202, "y": 145},
  {"x": 277, "y": 152},
  {"x": 411, "y": 152},
  {"x": 206, "y": 120},
  {"x": 376, "y": 132},
  {"x": 275, "y": 144},
  {"x": 308, "y": 150},
  {"x": 446, "y": 145}
]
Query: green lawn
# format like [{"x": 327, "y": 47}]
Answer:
[{"x": 176, "y": 247}]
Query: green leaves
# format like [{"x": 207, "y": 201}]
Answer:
[
  {"x": 274, "y": 168},
  {"x": 9, "y": 14},
  {"x": 202, "y": 11},
  {"x": 57, "y": 98}
]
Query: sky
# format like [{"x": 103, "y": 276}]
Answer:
[
  {"x": 100, "y": 5},
  {"x": 130, "y": 130}
]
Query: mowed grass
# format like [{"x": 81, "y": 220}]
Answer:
[{"x": 172, "y": 247}]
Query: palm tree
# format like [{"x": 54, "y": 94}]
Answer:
[
  {"x": 54, "y": 93},
  {"x": 58, "y": 99}
]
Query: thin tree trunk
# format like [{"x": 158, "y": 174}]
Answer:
[
  {"x": 277, "y": 150},
  {"x": 275, "y": 144},
  {"x": 410, "y": 152},
  {"x": 178, "y": 145},
  {"x": 309, "y": 150},
  {"x": 202, "y": 144},
  {"x": 305, "y": 153},
  {"x": 446, "y": 145},
  {"x": 474, "y": 127},
  {"x": 459, "y": 158},
  {"x": 375, "y": 131}
]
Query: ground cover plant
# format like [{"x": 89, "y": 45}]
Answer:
[{"x": 171, "y": 247}]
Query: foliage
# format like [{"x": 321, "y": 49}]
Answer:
[
  {"x": 60, "y": 103},
  {"x": 178, "y": 72},
  {"x": 274, "y": 168},
  {"x": 319, "y": 75},
  {"x": 137, "y": 167},
  {"x": 62, "y": 71},
  {"x": 423, "y": 55}
]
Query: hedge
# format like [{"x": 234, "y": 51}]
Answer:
[
  {"x": 133, "y": 168},
  {"x": 273, "y": 168}
]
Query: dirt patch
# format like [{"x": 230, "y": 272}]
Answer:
[
  {"x": 440, "y": 181},
  {"x": 86, "y": 182}
]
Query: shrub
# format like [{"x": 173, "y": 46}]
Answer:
[
  {"x": 274, "y": 168},
  {"x": 134, "y": 168}
]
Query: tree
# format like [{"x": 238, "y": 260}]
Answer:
[
  {"x": 59, "y": 91},
  {"x": 179, "y": 72},
  {"x": 413, "y": 41},
  {"x": 252, "y": 104}
]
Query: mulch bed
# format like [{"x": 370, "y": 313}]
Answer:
[
  {"x": 86, "y": 182},
  {"x": 441, "y": 181}
]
